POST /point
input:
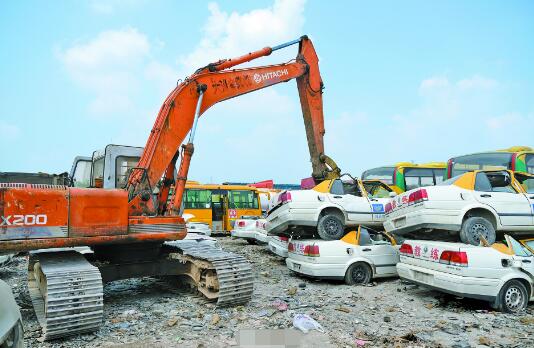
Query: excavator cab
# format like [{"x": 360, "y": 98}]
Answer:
[{"x": 108, "y": 168}]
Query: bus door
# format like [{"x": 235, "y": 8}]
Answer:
[{"x": 218, "y": 210}]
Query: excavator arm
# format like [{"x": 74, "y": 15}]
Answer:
[{"x": 216, "y": 82}]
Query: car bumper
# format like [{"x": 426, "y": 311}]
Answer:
[
  {"x": 287, "y": 217},
  {"x": 423, "y": 219},
  {"x": 262, "y": 237},
  {"x": 278, "y": 248},
  {"x": 479, "y": 288},
  {"x": 245, "y": 234},
  {"x": 316, "y": 270}
]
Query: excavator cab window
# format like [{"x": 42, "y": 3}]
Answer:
[
  {"x": 81, "y": 176},
  {"x": 98, "y": 173},
  {"x": 123, "y": 165}
]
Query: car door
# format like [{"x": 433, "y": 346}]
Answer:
[
  {"x": 348, "y": 195},
  {"x": 382, "y": 254},
  {"x": 495, "y": 189}
]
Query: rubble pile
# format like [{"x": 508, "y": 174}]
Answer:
[{"x": 387, "y": 313}]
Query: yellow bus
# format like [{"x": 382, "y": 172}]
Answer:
[
  {"x": 220, "y": 205},
  {"x": 405, "y": 176}
]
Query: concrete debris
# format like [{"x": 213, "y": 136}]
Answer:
[{"x": 151, "y": 312}]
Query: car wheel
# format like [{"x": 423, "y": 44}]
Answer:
[
  {"x": 14, "y": 338},
  {"x": 474, "y": 227},
  {"x": 330, "y": 227},
  {"x": 251, "y": 241},
  {"x": 513, "y": 297},
  {"x": 358, "y": 273}
]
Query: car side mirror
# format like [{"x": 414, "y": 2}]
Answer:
[{"x": 392, "y": 194}]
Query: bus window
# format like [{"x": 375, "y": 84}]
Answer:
[
  {"x": 123, "y": 164},
  {"x": 384, "y": 174},
  {"x": 243, "y": 199},
  {"x": 529, "y": 161},
  {"x": 481, "y": 161},
  {"x": 197, "y": 199},
  {"x": 417, "y": 177}
]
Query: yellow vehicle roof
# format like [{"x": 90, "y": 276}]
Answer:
[
  {"x": 199, "y": 186},
  {"x": 517, "y": 149}
]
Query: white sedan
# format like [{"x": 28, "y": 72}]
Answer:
[
  {"x": 251, "y": 230},
  {"x": 328, "y": 209},
  {"x": 357, "y": 258},
  {"x": 502, "y": 274},
  {"x": 468, "y": 206}
]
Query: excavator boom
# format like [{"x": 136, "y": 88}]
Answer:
[{"x": 215, "y": 83}]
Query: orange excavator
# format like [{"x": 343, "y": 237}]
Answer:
[{"x": 132, "y": 231}]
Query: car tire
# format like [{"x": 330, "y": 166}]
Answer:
[
  {"x": 512, "y": 298},
  {"x": 359, "y": 273},
  {"x": 251, "y": 241},
  {"x": 330, "y": 227},
  {"x": 475, "y": 226}
]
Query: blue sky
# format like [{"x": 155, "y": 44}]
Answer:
[{"x": 413, "y": 81}]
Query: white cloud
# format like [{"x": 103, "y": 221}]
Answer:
[
  {"x": 109, "y": 7},
  {"x": 8, "y": 131},
  {"x": 477, "y": 82},
  {"x": 226, "y": 35},
  {"x": 109, "y": 66}
]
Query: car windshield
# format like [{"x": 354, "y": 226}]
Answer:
[
  {"x": 527, "y": 182},
  {"x": 376, "y": 189},
  {"x": 517, "y": 248}
]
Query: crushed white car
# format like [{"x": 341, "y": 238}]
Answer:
[
  {"x": 467, "y": 206},
  {"x": 357, "y": 258},
  {"x": 328, "y": 209},
  {"x": 278, "y": 245},
  {"x": 502, "y": 274},
  {"x": 252, "y": 230}
]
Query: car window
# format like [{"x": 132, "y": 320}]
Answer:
[
  {"x": 482, "y": 182},
  {"x": 350, "y": 188},
  {"x": 337, "y": 188},
  {"x": 365, "y": 238},
  {"x": 501, "y": 182},
  {"x": 529, "y": 243}
]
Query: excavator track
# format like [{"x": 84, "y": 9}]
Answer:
[
  {"x": 233, "y": 281},
  {"x": 66, "y": 292}
]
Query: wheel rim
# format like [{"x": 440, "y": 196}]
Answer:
[
  {"x": 513, "y": 298},
  {"x": 359, "y": 274},
  {"x": 478, "y": 230},
  {"x": 331, "y": 227}
]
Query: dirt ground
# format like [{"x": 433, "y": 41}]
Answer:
[{"x": 151, "y": 313}]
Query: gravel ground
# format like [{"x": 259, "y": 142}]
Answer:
[{"x": 152, "y": 313}]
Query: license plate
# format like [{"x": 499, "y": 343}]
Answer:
[
  {"x": 423, "y": 277},
  {"x": 400, "y": 222},
  {"x": 296, "y": 266}
]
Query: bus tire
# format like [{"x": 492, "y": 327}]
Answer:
[
  {"x": 330, "y": 227},
  {"x": 475, "y": 226}
]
